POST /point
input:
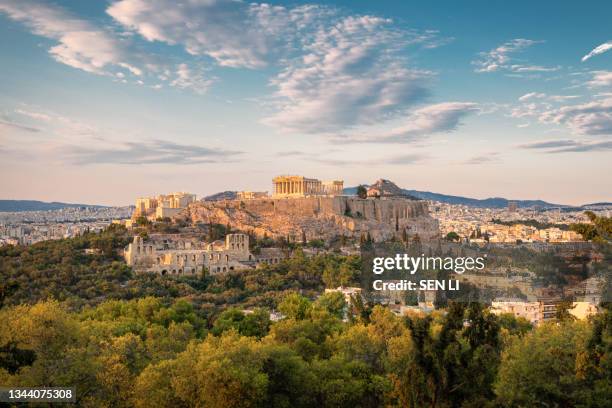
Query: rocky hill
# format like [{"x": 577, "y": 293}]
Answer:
[{"x": 321, "y": 217}]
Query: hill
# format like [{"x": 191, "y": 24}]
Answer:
[
  {"x": 494, "y": 202},
  {"x": 224, "y": 195},
  {"x": 33, "y": 205}
]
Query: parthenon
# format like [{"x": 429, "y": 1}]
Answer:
[{"x": 299, "y": 186}]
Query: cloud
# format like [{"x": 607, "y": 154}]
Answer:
[
  {"x": 54, "y": 123},
  {"x": 484, "y": 158},
  {"x": 532, "y": 95},
  {"x": 233, "y": 33},
  {"x": 152, "y": 152},
  {"x": 568, "y": 146},
  {"x": 187, "y": 78},
  {"x": 548, "y": 144},
  {"x": 553, "y": 98},
  {"x": 601, "y": 79},
  {"x": 80, "y": 44},
  {"x": 600, "y": 49},
  {"x": 411, "y": 158},
  {"x": 431, "y": 119},
  {"x": 501, "y": 59},
  {"x": 351, "y": 74},
  {"x": 18, "y": 126},
  {"x": 336, "y": 71},
  {"x": 395, "y": 160},
  {"x": 592, "y": 118},
  {"x": 85, "y": 46}
]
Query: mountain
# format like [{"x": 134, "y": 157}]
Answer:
[
  {"x": 495, "y": 202},
  {"x": 387, "y": 188},
  {"x": 32, "y": 205}
]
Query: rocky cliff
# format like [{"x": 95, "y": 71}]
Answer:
[{"x": 319, "y": 217}]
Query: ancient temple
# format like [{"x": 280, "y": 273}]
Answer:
[{"x": 299, "y": 186}]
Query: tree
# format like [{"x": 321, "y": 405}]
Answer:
[
  {"x": 295, "y": 306},
  {"x": 530, "y": 362},
  {"x": 333, "y": 303},
  {"x": 225, "y": 371},
  {"x": 599, "y": 230},
  {"x": 362, "y": 192},
  {"x": 453, "y": 236}
]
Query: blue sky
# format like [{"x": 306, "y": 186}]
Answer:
[{"x": 104, "y": 101}]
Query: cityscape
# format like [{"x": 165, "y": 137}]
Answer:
[{"x": 311, "y": 203}]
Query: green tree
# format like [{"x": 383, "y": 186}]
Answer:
[
  {"x": 333, "y": 303},
  {"x": 531, "y": 362},
  {"x": 362, "y": 192},
  {"x": 295, "y": 306},
  {"x": 453, "y": 236}
]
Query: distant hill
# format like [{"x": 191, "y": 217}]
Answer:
[
  {"x": 597, "y": 205},
  {"x": 32, "y": 205},
  {"x": 495, "y": 202},
  {"x": 224, "y": 195}
]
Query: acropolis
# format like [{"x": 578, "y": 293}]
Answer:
[
  {"x": 300, "y": 186},
  {"x": 163, "y": 205},
  {"x": 306, "y": 208}
]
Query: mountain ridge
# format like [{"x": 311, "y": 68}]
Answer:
[
  {"x": 491, "y": 202},
  {"x": 35, "y": 205}
]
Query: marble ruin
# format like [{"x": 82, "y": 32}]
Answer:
[
  {"x": 299, "y": 186},
  {"x": 169, "y": 255},
  {"x": 162, "y": 206}
]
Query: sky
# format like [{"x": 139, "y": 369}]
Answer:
[{"x": 105, "y": 101}]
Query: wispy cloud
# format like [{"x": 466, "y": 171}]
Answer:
[
  {"x": 411, "y": 158},
  {"x": 482, "y": 159},
  {"x": 18, "y": 126},
  {"x": 232, "y": 33},
  {"x": 568, "y": 146},
  {"x": 80, "y": 44},
  {"x": 600, "y": 49},
  {"x": 553, "y": 98},
  {"x": 337, "y": 71},
  {"x": 502, "y": 58},
  {"x": 601, "y": 79},
  {"x": 152, "y": 152},
  {"x": 187, "y": 78},
  {"x": 394, "y": 160},
  {"x": 352, "y": 73},
  {"x": 84, "y": 45},
  {"x": 592, "y": 118},
  {"x": 431, "y": 119}
]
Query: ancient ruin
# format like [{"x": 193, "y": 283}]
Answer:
[{"x": 318, "y": 216}]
